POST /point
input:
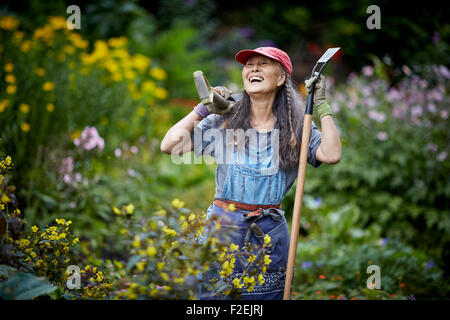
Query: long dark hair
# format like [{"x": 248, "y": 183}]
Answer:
[{"x": 289, "y": 113}]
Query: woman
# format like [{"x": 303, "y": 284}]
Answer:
[{"x": 269, "y": 110}]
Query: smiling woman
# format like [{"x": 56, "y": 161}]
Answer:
[{"x": 249, "y": 193}]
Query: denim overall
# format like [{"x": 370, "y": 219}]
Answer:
[
  {"x": 260, "y": 183},
  {"x": 255, "y": 183}
]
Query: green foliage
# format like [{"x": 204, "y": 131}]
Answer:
[{"x": 25, "y": 286}]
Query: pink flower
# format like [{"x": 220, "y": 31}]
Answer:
[
  {"x": 134, "y": 149},
  {"x": 444, "y": 71},
  {"x": 90, "y": 139},
  {"x": 431, "y": 107},
  {"x": 367, "y": 71},
  {"x": 444, "y": 114},
  {"x": 382, "y": 136},
  {"x": 131, "y": 172},
  {"x": 442, "y": 156},
  {"x": 118, "y": 152},
  {"x": 416, "y": 111},
  {"x": 377, "y": 116},
  {"x": 431, "y": 146},
  {"x": 406, "y": 70}
]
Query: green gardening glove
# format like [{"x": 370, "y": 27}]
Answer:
[{"x": 321, "y": 107}]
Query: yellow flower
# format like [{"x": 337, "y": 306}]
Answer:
[
  {"x": 141, "y": 62},
  {"x": 117, "y": 42},
  {"x": 11, "y": 89},
  {"x": 137, "y": 242},
  {"x": 178, "y": 280},
  {"x": 76, "y": 240},
  {"x": 10, "y": 78},
  {"x": 3, "y": 104},
  {"x": 267, "y": 239},
  {"x": 177, "y": 203},
  {"x": 169, "y": 232},
  {"x": 34, "y": 228},
  {"x": 158, "y": 73},
  {"x": 140, "y": 265},
  {"x": 40, "y": 72},
  {"x": 123, "y": 231},
  {"x": 249, "y": 281},
  {"x": 77, "y": 40},
  {"x": 25, "y": 47},
  {"x": 251, "y": 258},
  {"x": 25, "y": 108},
  {"x": 48, "y": 86},
  {"x": 232, "y": 207},
  {"x": 267, "y": 260},
  {"x": 161, "y": 93},
  {"x": 25, "y": 126},
  {"x": 151, "y": 251},
  {"x": 237, "y": 283},
  {"x": 9, "y": 23},
  {"x": 116, "y": 211},
  {"x": 261, "y": 279},
  {"x": 160, "y": 266},
  {"x": 234, "y": 247},
  {"x": 164, "y": 276},
  {"x": 129, "y": 208},
  {"x": 58, "y": 22},
  {"x": 9, "y": 67},
  {"x": 50, "y": 107}
]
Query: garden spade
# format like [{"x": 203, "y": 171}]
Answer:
[{"x": 306, "y": 135}]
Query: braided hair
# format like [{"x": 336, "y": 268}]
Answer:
[{"x": 289, "y": 113}]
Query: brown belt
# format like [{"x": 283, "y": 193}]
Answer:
[{"x": 255, "y": 208}]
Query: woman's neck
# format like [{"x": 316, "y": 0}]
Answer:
[{"x": 261, "y": 116}]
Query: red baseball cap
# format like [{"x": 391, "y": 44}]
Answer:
[{"x": 271, "y": 52}]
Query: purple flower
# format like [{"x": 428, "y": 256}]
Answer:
[
  {"x": 383, "y": 241},
  {"x": 436, "y": 37},
  {"x": 377, "y": 116},
  {"x": 406, "y": 70},
  {"x": 430, "y": 264},
  {"x": 246, "y": 32},
  {"x": 318, "y": 201},
  {"x": 382, "y": 136},
  {"x": 367, "y": 71},
  {"x": 319, "y": 264},
  {"x": 444, "y": 71},
  {"x": 416, "y": 111},
  {"x": 307, "y": 264},
  {"x": 90, "y": 139},
  {"x": 442, "y": 156},
  {"x": 431, "y": 146},
  {"x": 431, "y": 107}
]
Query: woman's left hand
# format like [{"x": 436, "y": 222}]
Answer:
[{"x": 319, "y": 89}]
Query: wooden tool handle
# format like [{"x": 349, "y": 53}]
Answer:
[{"x": 306, "y": 135}]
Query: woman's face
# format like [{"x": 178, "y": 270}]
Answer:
[{"x": 262, "y": 75}]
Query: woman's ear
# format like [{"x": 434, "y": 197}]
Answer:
[{"x": 281, "y": 79}]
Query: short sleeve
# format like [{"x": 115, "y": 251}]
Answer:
[
  {"x": 202, "y": 140},
  {"x": 314, "y": 142}
]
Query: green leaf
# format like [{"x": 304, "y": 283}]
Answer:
[{"x": 25, "y": 286}]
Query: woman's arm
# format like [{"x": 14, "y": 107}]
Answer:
[
  {"x": 329, "y": 150},
  {"x": 178, "y": 139}
]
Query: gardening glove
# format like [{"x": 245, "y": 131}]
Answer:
[{"x": 321, "y": 107}]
